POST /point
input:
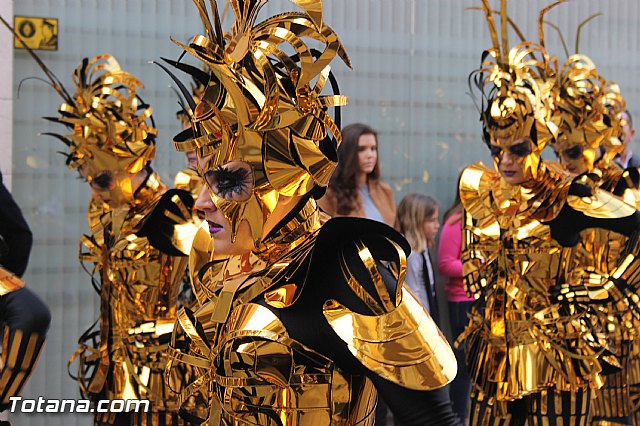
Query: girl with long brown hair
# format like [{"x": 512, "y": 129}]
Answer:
[{"x": 355, "y": 189}]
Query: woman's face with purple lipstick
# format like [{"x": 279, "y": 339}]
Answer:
[
  {"x": 511, "y": 160},
  {"x": 231, "y": 182}
]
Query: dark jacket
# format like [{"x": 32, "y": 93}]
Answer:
[{"x": 16, "y": 242}]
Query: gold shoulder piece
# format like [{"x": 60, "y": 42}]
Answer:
[
  {"x": 601, "y": 205},
  {"x": 475, "y": 184},
  {"x": 403, "y": 346}
]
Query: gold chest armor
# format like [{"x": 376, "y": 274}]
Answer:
[
  {"x": 261, "y": 376},
  {"x": 520, "y": 343}
]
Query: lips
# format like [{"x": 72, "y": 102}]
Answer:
[
  {"x": 508, "y": 173},
  {"x": 214, "y": 227}
]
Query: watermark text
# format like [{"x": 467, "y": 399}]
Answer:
[{"x": 44, "y": 405}]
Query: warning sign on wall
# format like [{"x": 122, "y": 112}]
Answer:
[{"x": 37, "y": 33}]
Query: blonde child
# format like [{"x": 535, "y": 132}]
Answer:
[{"x": 417, "y": 219}]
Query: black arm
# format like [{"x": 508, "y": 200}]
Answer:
[{"x": 15, "y": 232}]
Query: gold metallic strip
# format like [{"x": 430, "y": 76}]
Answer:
[
  {"x": 332, "y": 101},
  {"x": 15, "y": 384},
  {"x": 6, "y": 375},
  {"x": 188, "y": 145},
  {"x": 15, "y": 348},
  {"x": 367, "y": 258},
  {"x": 30, "y": 352},
  {"x": 192, "y": 332},
  {"x": 225, "y": 301},
  {"x": 192, "y": 360},
  {"x": 359, "y": 290},
  {"x": 402, "y": 269}
]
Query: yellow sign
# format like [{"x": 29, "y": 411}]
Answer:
[{"x": 37, "y": 33}]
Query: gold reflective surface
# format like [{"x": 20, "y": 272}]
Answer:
[
  {"x": 111, "y": 126},
  {"x": 521, "y": 342},
  {"x": 138, "y": 296},
  {"x": 404, "y": 345},
  {"x": 263, "y": 107},
  {"x": 264, "y": 110},
  {"x": 249, "y": 369},
  {"x": 112, "y": 144}
]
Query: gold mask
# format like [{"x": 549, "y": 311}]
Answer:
[{"x": 263, "y": 108}]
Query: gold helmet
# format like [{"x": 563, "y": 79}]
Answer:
[
  {"x": 514, "y": 86},
  {"x": 580, "y": 114},
  {"x": 263, "y": 107},
  {"x": 113, "y": 134},
  {"x": 587, "y": 111}
]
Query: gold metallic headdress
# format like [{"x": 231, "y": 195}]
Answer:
[
  {"x": 263, "y": 106},
  {"x": 113, "y": 135},
  {"x": 107, "y": 117},
  {"x": 106, "y": 114},
  {"x": 514, "y": 85},
  {"x": 587, "y": 107}
]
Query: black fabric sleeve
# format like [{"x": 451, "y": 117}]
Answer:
[
  {"x": 15, "y": 232},
  {"x": 417, "y": 408},
  {"x": 566, "y": 227}
]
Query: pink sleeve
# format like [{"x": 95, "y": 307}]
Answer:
[{"x": 449, "y": 263}]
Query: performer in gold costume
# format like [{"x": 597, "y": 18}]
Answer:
[
  {"x": 532, "y": 341},
  {"x": 138, "y": 234},
  {"x": 589, "y": 115},
  {"x": 298, "y": 322}
]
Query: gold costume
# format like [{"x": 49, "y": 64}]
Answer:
[
  {"x": 588, "y": 114},
  {"x": 535, "y": 340},
  {"x": 302, "y": 328},
  {"x": 139, "y": 231},
  {"x": 139, "y": 287}
]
